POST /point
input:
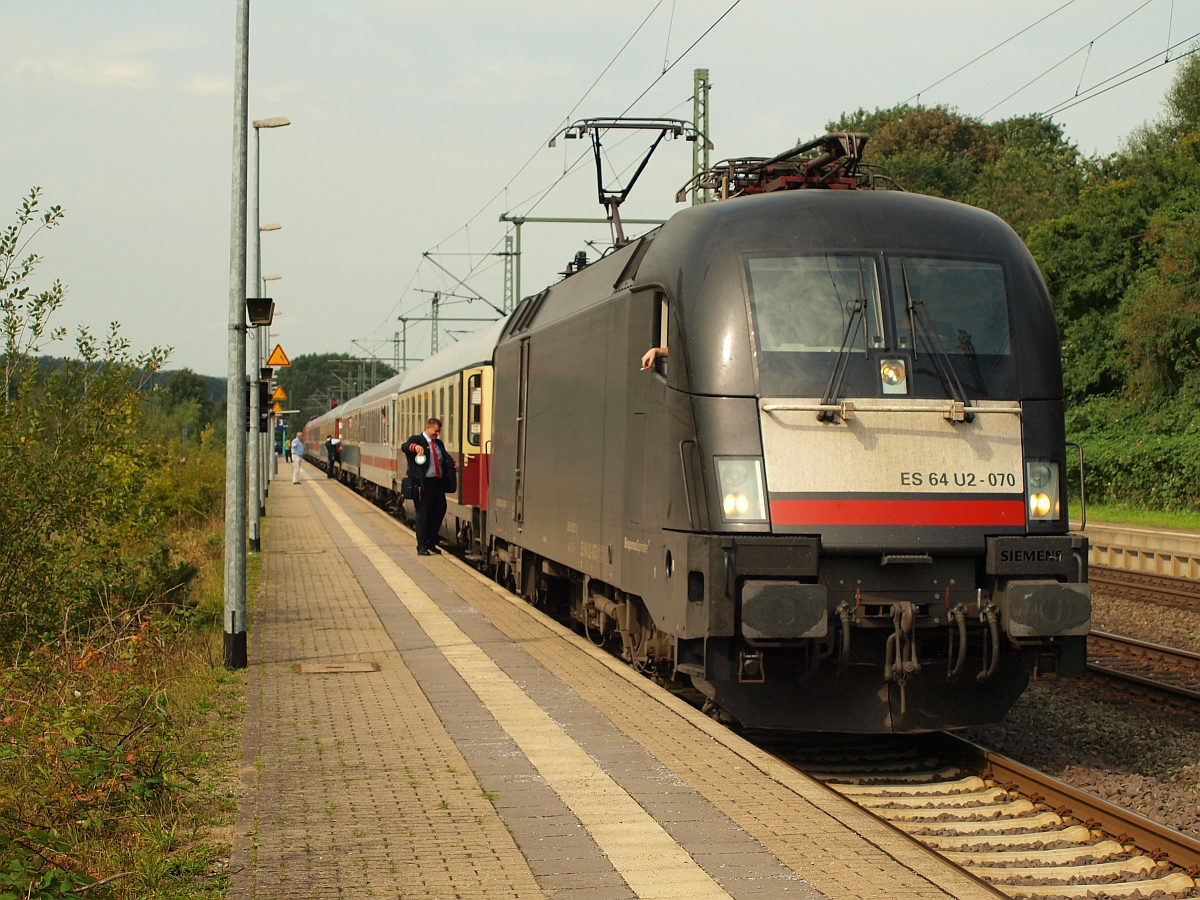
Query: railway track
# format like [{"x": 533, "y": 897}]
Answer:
[
  {"x": 1166, "y": 590},
  {"x": 1166, "y": 670},
  {"x": 1019, "y": 831}
]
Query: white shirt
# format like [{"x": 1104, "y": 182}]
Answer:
[{"x": 429, "y": 472}]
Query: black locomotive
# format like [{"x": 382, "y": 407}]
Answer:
[{"x": 838, "y": 501}]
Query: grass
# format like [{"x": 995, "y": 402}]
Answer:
[
  {"x": 1150, "y": 518},
  {"x": 119, "y": 756}
]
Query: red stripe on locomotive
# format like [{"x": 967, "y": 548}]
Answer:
[{"x": 898, "y": 512}]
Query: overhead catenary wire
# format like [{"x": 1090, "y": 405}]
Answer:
[
  {"x": 568, "y": 170},
  {"x": 691, "y": 46},
  {"x": 1087, "y": 46},
  {"x": 540, "y": 194},
  {"x": 1095, "y": 91},
  {"x": 667, "y": 48},
  {"x": 504, "y": 190},
  {"x": 562, "y": 122},
  {"x": 986, "y": 53}
]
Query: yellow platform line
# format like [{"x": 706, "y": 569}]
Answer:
[{"x": 649, "y": 859}]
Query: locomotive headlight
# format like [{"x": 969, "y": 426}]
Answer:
[
  {"x": 743, "y": 498},
  {"x": 893, "y": 376},
  {"x": 1041, "y": 490}
]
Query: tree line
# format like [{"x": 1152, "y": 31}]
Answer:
[{"x": 1117, "y": 238}]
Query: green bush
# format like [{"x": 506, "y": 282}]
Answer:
[{"x": 107, "y": 517}]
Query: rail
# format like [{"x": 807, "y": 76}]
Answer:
[
  {"x": 1122, "y": 646},
  {"x": 1145, "y": 585},
  {"x": 1156, "y": 839},
  {"x": 1019, "y": 830}
]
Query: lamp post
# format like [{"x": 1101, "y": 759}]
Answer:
[
  {"x": 268, "y": 456},
  {"x": 267, "y": 334},
  {"x": 234, "y": 615},
  {"x": 255, "y": 453}
]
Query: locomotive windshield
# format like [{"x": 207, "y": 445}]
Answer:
[
  {"x": 935, "y": 311},
  {"x": 815, "y": 304},
  {"x": 964, "y": 302}
]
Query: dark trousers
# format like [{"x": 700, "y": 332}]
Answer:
[{"x": 431, "y": 509}]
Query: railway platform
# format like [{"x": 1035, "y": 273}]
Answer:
[
  {"x": 1137, "y": 548},
  {"x": 412, "y": 730}
]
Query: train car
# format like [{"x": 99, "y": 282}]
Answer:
[
  {"x": 369, "y": 437},
  {"x": 316, "y": 432},
  {"x": 455, "y": 386},
  {"x": 839, "y": 502}
]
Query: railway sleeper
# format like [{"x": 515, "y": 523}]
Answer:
[
  {"x": 1175, "y": 883},
  {"x": 1053, "y": 874},
  {"x": 1100, "y": 852},
  {"x": 949, "y": 802},
  {"x": 942, "y": 813},
  {"x": 948, "y": 787},
  {"x": 1073, "y": 834},
  {"x": 1033, "y": 826}
]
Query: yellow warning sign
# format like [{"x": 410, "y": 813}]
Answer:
[
  {"x": 277, "y": 408},
  {"x": 279, "y": 394},
  {"x": 278, "y": 357}
]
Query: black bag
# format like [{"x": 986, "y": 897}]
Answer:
[
  {"x": 450, "y": 476},
  {"x": 409, "y": 489}
]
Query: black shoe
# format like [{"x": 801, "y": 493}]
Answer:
[
  {"x": 422, "y": 553},
  {"x": 435, "y": 550}
]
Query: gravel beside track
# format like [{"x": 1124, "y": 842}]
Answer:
[
  {"x": 1131, "y": 751},
  {"x": 1147, "y": 621}
]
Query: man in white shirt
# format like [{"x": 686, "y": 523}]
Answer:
[{"x": 297, "y": 455}]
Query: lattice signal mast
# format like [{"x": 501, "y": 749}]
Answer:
[{"x": 701, "y": 148}]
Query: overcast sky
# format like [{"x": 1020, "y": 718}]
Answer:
[{"x": 412, "y": 120}]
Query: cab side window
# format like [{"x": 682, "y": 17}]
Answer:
[{"x": 662, "y": 320}]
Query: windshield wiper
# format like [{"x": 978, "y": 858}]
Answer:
[
  {"x": 857, "y": 317},
  {"x": 918, "y": 322}
]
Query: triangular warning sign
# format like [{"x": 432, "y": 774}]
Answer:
[
  {"x": 277, "y": 408},
  {"x": 279, "y": 394},
  {"x": 278, "y": 357}
]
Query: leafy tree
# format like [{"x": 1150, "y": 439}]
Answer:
[
  {"x": 1183, "y": 97},
  {"x": 186, "y": 396},
  {"x": 1036, "y": 174},
  {"x": 1022, "y": 169},
  {"x": 73, "y": 467},
  {"x": 1160, "y": 314},
  {"x": 26, "y": 316},
  {"x": 312, "y": 380}
]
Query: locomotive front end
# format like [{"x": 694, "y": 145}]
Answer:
[{"x": 877, "y": 400}]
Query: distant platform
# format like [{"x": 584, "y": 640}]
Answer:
[{"x": 1137, "y": 548}]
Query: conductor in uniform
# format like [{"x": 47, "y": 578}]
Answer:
[{"x": 428, "y": 465}]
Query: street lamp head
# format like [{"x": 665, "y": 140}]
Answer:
[
  {"x": 271, "y": 277},
  {"x": 260, "y": 310},
  {"x": 270, "y": 226},
  {"x": 274, "y": 122}
]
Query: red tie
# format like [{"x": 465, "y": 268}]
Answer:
[{"x": 437, "y": 469}]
